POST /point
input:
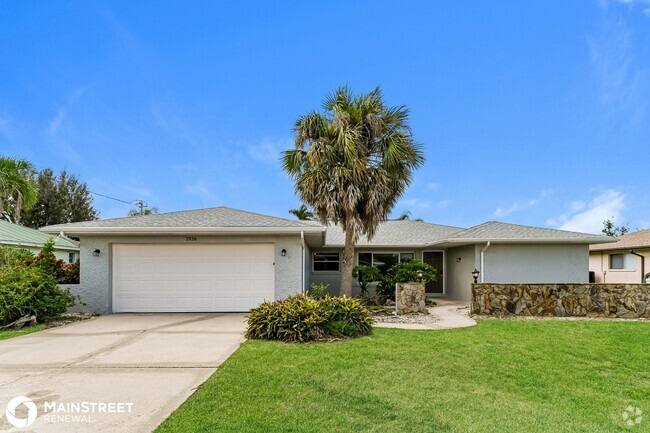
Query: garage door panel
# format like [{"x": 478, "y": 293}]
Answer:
[{"x": 185, "y": 278}]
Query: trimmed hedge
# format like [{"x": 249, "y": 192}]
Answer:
[{"x": 301, "y": 318}]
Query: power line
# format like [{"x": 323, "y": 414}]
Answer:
[
  {"x": 113, "y": 198},
  {"x": 140, "y": 203}
]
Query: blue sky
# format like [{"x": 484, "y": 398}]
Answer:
[{"x": 529, "y": 112}]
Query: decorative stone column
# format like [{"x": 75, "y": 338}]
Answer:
[{"x": 410, "y": 298}]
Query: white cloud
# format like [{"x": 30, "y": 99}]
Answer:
[
  {"x": 417, "y": 203},
  {"x": 502, "y": 212},
  {"x": 589, "y": 217},
  {"x": 443, "y": 204},
  {"x": 433, "y": 186},
  {"x": 622, "y": 80},
  {"x": 202, "y": 189},
  {"x": 54, "y": 124},
  {"x": 6, "y": 123},
  {"x": 268, "y": 150}
]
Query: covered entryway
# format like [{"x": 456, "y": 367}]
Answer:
[
  {"x": 435, "y": 259},
  {"x": 192, "y": 278}
]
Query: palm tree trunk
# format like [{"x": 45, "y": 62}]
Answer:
[{"x": 348, "y": 263}]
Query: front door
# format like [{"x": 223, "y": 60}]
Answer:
[{"x": 435, "y": 259}]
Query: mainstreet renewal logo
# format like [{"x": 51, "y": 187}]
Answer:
[
  {"x": 14, "y": 420},
  {"x": 56, "y": 412}
]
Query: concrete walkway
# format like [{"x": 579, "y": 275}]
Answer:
[
  {"x": 446, "y": 311},
  {"x": 151, "y": 362}
]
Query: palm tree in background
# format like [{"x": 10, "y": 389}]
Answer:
[
  {"x": 351, "y": 163},
  {"x": 18, "y": 187},
  {"x": 302, "y": 213}
]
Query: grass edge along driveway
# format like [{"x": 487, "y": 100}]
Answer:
[
  {"x": 11, "y": 333},
  {"x": 501, "y": 375}
]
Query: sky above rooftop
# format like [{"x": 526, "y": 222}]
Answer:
[{"x": 529, "y": 112}]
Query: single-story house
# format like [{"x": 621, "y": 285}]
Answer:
[
  {"x": 223, "y": 259},
  {"x": 33, "y": 240},
  {"x": 625, "y": 261}
]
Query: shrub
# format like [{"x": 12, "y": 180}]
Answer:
[
  {"x": 12, "y": 256},
  {"x": 318, "y": 290},
  {"x": 350, "y": 312},
  {"x": 365, "y": 275},
  {"x": 301, "y": 318},
  {"x": 63, "y": 273},
  {"x": 405, "y": 272},
  {"x": 26, "y": 291}
]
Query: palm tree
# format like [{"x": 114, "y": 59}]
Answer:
[
  {"x": 18, "y": 188},
  {"x": 404, "y": 216},
  {"x": 302, "y": 213},
  {"x": 351, "y": 164}
]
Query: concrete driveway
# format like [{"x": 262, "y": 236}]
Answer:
[{"x": 130, "y": 370}]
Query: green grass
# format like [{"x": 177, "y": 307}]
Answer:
[
  {"x": 10, "y": 333},
  {"x": 500, "y": 376}
]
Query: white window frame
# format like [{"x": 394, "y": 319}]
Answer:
[{"x": 313, "y": 262}]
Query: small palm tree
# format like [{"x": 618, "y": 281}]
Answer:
[
  {"x": 18, "y": 188},
  {"x": 352, "y": 163},
  {"x": 302, "y": 213}
]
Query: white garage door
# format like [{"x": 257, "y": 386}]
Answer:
[{"x": 186, "y": 278}]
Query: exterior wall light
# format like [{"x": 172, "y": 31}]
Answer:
[
  {"x": 475, "y": 273},
  {"x": 420, "y": 274},
  {"x": 283, "y": 252},
  {"x": 96, "y": 252}
]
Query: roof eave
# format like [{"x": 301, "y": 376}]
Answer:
[
  {"x": 35, "y": 245},
  {"x": 602, "y": 248},
  {"x": 522, "y": 241},
  {"x": 180, "y": 230}
]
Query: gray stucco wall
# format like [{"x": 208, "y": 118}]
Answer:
[
  {"x": 459, "y": 273},
  {"x": 536, "y": 263},
  {"x": 95, "y": 274}
]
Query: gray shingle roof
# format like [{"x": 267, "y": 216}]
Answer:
[
  {"x": 395, "y": 233},
  {"x": 495, "y": 231},
  {"x": 640, "y": 239},
  {"x": 14, "y": 234},
  {"x": 211, "y": 218}
]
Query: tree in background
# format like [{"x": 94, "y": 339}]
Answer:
[
  {"x": 352, "y": 163},
  {"x": 61, "y": 199},
  {"x": 144, "y": 211},
  {"x": 18, "y": 189},
  {"x": 406, "y": 216},
  {"x": 610, "y": 229},
  {"x": 302, "y": 213}
]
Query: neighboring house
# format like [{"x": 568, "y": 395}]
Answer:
[
  {"x": 33, "y": 240},
  {"x": 624, "y": 261},
  {"x": 223, "y": 259}
]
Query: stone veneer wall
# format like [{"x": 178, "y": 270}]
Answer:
[
  {"x": 628, "y": 301},
  {"x": 410, "y": 298}
]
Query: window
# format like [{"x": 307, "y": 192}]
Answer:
[
  {"x": 326, "y": 262},
  {"x": 621, "y": 261},
  {"x": 72, "y": 257},
  {"x": 384, "y": 261}
]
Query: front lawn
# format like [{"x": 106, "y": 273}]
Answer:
[
  {"x": 502, "y": 375},
  {"x": 10, "y": 333}
]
